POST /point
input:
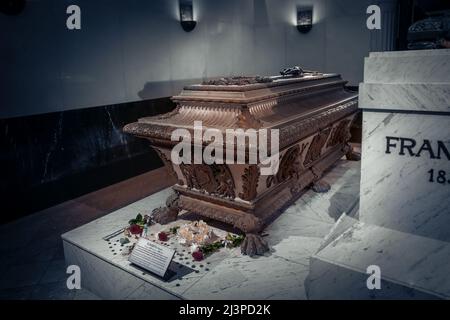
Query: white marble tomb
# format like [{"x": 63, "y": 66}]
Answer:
[{"x": 404, "y": 225}]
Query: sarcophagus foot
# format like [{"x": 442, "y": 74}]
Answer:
[{"x": 308, "y": 115}]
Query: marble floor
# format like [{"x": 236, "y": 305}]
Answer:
[
  {"x": 33, "y": 265},
  {"x": 33, "y": 260}
]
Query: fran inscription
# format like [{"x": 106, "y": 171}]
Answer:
[{"x": 427, "y": 148}]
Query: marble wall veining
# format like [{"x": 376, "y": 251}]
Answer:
[
  {"x": 405, "y": 186},
  {"x": 50, "y": 158},
  {"x": 396, "y": 191},
  {"x": 405, "y": 183}
]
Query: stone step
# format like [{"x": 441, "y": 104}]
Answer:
[
  {"x": 411, "y": 266},
  {"x": 330, "y": 281},
  {"x": 343, "y": 223}
]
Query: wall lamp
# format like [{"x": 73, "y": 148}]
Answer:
[
  {"x": 187, "y": 15},
  {"x": 304, "y": 19}
]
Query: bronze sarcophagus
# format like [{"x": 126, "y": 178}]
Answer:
[{"x": 311, "y": 113}]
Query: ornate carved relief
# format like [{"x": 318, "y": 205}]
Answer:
[
  {"x": 290, "y": 165},
  {"x": 340, "y": 133},
  {"x": 250, "y": 182},
  {"x": 316, "y": 146},
  {"x": 152, "y": 129},
  {"x": 299, "y": 130},
  {"x": 214, "y": 179},
  {"x": 225, "y": 181}
]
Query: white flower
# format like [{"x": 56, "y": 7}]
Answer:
[{"x": 193, "y": 248}]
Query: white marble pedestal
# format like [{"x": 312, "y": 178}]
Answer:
[
  {"x": 293, "y": 237},
  {"x": 404, "y": 215}
]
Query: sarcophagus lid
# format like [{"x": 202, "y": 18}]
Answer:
[{"x": 297, "y": 106}]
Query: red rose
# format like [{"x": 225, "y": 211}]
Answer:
[
  {"x": 197, "y": 255},
  {"x": 162, "y": 236},
  {"x": 135, "y": 229}
]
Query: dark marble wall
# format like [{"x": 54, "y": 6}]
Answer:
[{"x": 49, "y": 158}]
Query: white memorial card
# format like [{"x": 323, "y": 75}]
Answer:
[{"x": 151, "y": 256}]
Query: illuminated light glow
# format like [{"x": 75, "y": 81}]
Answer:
[
  {"x": 187, "y": 17},
  {"x": 317, "y": 15}
]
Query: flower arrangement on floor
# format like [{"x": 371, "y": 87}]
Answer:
[
  {"x": 202, "y": 240},
  {"x": 138, "y": 224},
  {"x": 198, "y": 235},
  {"x": 196, "y": 232},
  {"x": 230, "y": 241}
]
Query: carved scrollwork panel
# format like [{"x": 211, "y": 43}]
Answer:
[
  {"x": 315, "y": 149},
  {"x": 340, "y": 133},
  {"x": 290, "y": 165},
  {"x": 213, "y": 179}
]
